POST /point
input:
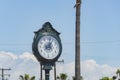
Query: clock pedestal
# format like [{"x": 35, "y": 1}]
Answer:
[{"x": 47, "y": 69}]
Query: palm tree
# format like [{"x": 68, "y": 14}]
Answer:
[
  {"x": 77, "y": 42},
  {"x": 106, "y": 78},
  {"x": 118, "y": 73},
  {"x": 74, "y": 78},
  {"x": 63, "y": 76},
  {"x": 114, "y": 77},
  {"x": 26, "y": 77},
  {"x": 58, "y": 78}
]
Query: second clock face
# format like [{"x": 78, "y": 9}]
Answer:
[{"x": 48, "y": 47}]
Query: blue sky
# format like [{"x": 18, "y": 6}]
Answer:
[{"x": 100, "y": 27}]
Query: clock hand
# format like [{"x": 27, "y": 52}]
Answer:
[{"x": 50, "y": 45}]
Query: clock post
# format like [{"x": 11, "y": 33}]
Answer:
[
  {"x": 47, "y": 47},
  {"x": 47, "y": 69}
]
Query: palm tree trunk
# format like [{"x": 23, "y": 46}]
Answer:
[{"x": 77, "y": 42}]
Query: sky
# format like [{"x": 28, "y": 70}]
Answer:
[{"x": 100, "y": 41}]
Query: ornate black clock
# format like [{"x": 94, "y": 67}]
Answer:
[{"x": 47, "y": 46}]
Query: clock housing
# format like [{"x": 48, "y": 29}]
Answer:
[{"x": 47, "y": 45}]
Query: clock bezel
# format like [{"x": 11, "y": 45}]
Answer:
[{"x": 35, "y": 47}]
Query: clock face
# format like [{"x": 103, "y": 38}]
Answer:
[{"x": 48, "y": 47}]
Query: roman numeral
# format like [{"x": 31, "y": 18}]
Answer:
[{"x": 48, "y": 56}]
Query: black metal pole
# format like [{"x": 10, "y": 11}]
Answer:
[
  {"x": 47, "y": 74},
  {"x": 41, "y": 71},
  {"x": 55, "y": 71},
  {"x": 2, "y": 74}
]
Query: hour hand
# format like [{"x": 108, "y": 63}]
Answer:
[{"x": 50, "y": 45}]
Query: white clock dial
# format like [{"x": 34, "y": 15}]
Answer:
[{"x": 48, "y": 47}]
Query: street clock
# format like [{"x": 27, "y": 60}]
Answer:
[{"x": 47, "y": 45}]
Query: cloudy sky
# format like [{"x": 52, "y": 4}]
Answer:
[{"x": 100, "y": 41}]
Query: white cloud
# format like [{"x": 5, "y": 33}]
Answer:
[
  {"x": 4, "y": 54},
  {"x": 26, "y": 63},
  {"x": 90, "y": 70},
  {"x": 19, "y": 64},
  {"x": 27, "y": 55},
  {"x": 93, "y": 71}
]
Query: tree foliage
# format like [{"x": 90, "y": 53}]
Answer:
[
  {"x": 62, "y": 76},
  {"x": 81, "y": 78},
  {"x": 106, "y": 78},
  {"x": 118, "y": 72},
  {"x": 26, "y": 77}
]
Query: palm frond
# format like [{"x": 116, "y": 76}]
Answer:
[
  {"x": 32, "y": 78},
  {"x": 26, "y": 76},
  {"x": 21, "y": 77}
]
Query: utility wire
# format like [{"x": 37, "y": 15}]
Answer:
[
  {"x": 67, "y": 43},
  {"x": 97, "y": 42}
]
